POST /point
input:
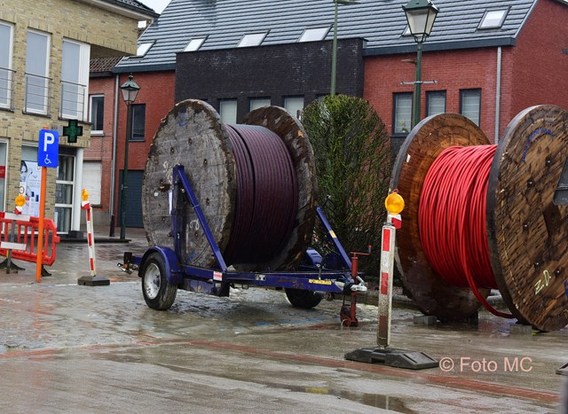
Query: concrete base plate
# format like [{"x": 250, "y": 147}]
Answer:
[
  {"x": 93, "y": 281},
  {"x": 393, "y": 357}
]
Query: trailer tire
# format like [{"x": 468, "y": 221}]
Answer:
[
  {"x": 304, "y": 299},
  {"x": 158, "y": 292}
]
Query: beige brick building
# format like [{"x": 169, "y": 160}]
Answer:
[{"x": 45, "y": 48}]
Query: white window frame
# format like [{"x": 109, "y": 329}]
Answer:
[
  {"x": 94, "y": 131},
  {"x": 194, "y": 44},
  {"x": 314, "y": 34},
  {"x": 252, "y": 39},
  {"x": 493, "y": 19},
  {"x": 143, "y": 48},
  {"x": 228, "y": 111},
  {"x": 294, "y": 105},
  {"x": 432, "y": 103},
  {"x": 466, "y": 107},
  {"x": 6, "y": 72},
  {"x": 44, "y": 81},
  {"x": 255, "y": 103},
  {"x": 402, "y": 120},
  {"x": 81, "y": 87}
]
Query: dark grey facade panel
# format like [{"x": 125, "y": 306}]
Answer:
[{"x": 299, "y": 69}]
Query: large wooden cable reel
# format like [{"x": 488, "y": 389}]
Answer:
[
  {"x": 527, "y": 216},
  {"x": 193, "y": 135}
]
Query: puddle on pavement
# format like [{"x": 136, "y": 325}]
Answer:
[{"x": 373, "y": 400}]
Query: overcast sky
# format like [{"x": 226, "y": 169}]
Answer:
[{"x": 157, "y": 5}]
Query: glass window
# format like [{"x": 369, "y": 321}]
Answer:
[
  {"x": 97, "y": 114},
  {"x": 194, "y": 44},
  {"x": 228, "y": 111},
  {"x": 138, "y": 122},
  {"x": 402, "y": 116},
  {"x": 470, "y": 104},
  {"x": 493, "y": 19},
  {"x": 253, "y": 39},
  {"x": 64, "y": 189},
  {"x": 314, "y": 35},
  {"x": 255, "y": 103},
  {"x": 435, "y": 102},
  {"x": 37, "y": 82},
  {"x": 74, "y": 79},
  {"x": 294, "y": 105},
  {"x": 6, "y": 31},
  {"x": 143, "y": 49}
]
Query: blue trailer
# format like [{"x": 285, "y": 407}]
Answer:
[{"x": 163, "y": 269}]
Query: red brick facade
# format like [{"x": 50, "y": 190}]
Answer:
[{"x": 533, "y": 72}]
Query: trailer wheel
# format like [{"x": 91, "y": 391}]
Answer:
[
  {"x": 305, "y": 299},
  {"x": 158, "y": 293}
]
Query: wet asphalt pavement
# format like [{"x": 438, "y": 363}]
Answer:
[{"x": 66, "y": 348}]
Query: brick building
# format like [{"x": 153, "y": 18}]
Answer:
[
  {"x": 44, "y": 81},
  {"x": 485, "y": 59}
]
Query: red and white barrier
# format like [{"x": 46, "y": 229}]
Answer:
[
  {"x": 86, "y": 205},
  {"x": 385, "y": 286},
  {"x": 19, "y": 234},
  {"x": 93, "y": 279}
]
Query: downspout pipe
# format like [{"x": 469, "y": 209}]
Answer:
[{"x": 498, "y": 94}]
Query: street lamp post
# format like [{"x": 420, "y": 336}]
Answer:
[
  {"x": 420, "y": 15},
  {"x": 334, "y": 45},
  {"x": 129, "y": 92}
]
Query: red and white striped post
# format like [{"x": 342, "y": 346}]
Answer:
[
  {"x": 394, "y": 204},
  {"x": 383, "y": 354},
  {"x": 93, "y": 280}
]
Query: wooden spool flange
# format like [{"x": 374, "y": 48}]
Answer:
[
  {"x": 424, "y": 143},
  {"x": 527, "y": 217},
  {"x": 193, "y": 135}
]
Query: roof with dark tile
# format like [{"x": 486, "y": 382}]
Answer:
[
  {"x": 100, "y": 65},
  {"x": 380, "y": 22},
  {"x": 134, "y": 5}
]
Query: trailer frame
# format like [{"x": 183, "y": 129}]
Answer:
[{"x": 217, "y": 279}]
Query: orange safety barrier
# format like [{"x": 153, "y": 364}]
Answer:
[{"x": 20, "y": 234}]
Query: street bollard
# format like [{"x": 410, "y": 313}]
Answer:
[
  {"x": 93, "y": 279},
  {"x": 393, "y": 357}
]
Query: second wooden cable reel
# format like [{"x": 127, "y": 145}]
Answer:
[{"x": 527, "y": 216}]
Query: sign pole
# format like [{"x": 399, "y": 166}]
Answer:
[
  {"x": 47, "y": 157},
  {"x": 39, "y": 258}
]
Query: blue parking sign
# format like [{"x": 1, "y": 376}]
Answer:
[{"x": 48, "y": 148}]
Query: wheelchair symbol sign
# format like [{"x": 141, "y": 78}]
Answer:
[{"x": 48, "y": 148}]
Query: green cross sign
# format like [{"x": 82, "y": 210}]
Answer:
[{"x": 72, "y": 131}]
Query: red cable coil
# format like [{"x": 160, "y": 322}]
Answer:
[{"x": 452, "y": 219}]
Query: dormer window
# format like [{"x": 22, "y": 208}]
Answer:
[
  {"x": 143, "y": 48},
  {"x": 493, "y": 19},
  {"x": 314, "y": 34},
  {"x": 252, "y": 39},
  {"x": 194, "y": 44}
]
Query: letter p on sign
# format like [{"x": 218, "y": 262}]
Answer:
[{"x": 48, "y": 148}]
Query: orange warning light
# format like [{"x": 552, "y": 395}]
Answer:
[
  {"x": 20, "y": 200},
  {"x": 394, "y": 203},
  {"x": 85, "y": 195}
]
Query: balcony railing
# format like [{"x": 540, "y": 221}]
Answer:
[
  {"x": 37, "y": 94},
  {"x": 73, "y": 99},
  {"x": 6, "y": 88}
]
